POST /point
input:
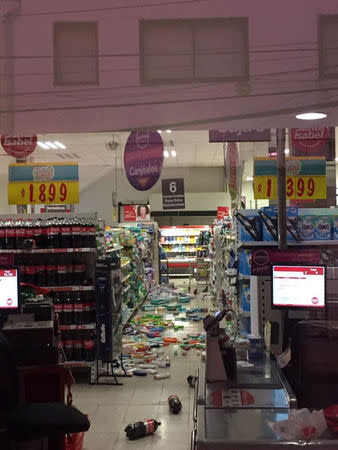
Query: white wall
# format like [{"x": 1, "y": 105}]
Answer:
[{"x": 98, "y": 195}]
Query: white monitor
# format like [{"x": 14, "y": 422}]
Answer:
[
  {"x": 298, "y": 287},
  {"x": 9, "y": 288}
]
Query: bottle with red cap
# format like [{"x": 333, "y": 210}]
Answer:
[
  {"x": 9, "y": 234},
  {"x": 175, "y": 404},
  {"x": 140, "y": 429},
  {"x": 2, "y": 234},
  {"x": 19, "y": 233}
]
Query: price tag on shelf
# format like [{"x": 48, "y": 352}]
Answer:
[
  {"x": 45, "y": 193},
  {"x": 265, "y": 187}
]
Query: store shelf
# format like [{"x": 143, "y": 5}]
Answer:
[
  {"x": 67, "y": 288},
  {"x": 290, "y": 243},
  {"x": 77, "y": 363},
  {"x": 126, "y": 278},
  {"x": 125, "y": 263},
  {"x": 194, "y": 250},
  {"x": 244, "y": 313},
  {"x": 132, "y": 312},
  {"x": 126, "y": 289},
  {"x": 186, "y": 275},
  {"x": 115, "y": 249},
  {"x": 89, "y": 326},
  {"x": 50, "y": 250},
  {"x": 177, "y": 242}
]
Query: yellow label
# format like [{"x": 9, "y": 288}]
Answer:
[
  {"x": 45, "y": 193},
  {"x": 265, "y": 186},
  {"x": 301, "y": 187}
]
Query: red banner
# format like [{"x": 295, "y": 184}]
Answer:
[
  {"x": 222, "y": 211},
  {"x": 313, "y": 142},
  {"x": 19, "y": 146}
]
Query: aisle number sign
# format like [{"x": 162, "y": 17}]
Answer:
[
  {"x": 45, "y": 183},
  {"x": 305, "y": 178}
]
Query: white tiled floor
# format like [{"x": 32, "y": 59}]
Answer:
[{"x": 111, "y": 408}]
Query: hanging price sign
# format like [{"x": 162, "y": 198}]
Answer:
[
  {"x": 46, "y": 184},
  {"x": 305, "y": 178}
]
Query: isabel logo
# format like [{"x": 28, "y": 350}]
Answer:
[
  {"x": 311, "y": 133},
  {"x": 261, "y": 257},
  {"x": 142, "y": 139},
  {"x": 43, "y": 173}
]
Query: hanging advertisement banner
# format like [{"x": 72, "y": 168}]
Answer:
[
  {"x": 248, "y": 135},
  {"x": 19, "y": 146},
  {"x": 43, "y": 183},
  {"x": 263, "y": 258},
  {"x": 313, "y": 142},
  {"x": 232, "y": 170},
  {"x": 305, "y": 178},
  {"x": 136, "y": 213},
  {"x": 173, "y": 196},
  {"x": 143, "y": 159}
]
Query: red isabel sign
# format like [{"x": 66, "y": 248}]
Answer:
[{"x": 19, "y": 146}]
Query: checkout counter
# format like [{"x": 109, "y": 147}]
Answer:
[{"x": 234, "y": 413}]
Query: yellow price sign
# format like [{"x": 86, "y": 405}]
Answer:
[
  {"x": 300, "y": 187},
  {"x": 265, "y": 187},
  {"x": 45, "y": 193}
]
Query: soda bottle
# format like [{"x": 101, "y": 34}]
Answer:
[
  {"x": 56, "y": 232},
  {"x": 191, "y": 381},
  {"x": 138, "y": 430},
  {"x": 175, "y": 404},
  {"x": 68, "y": 310},
  {"x": 19, "y": 233},
  {"x": 2, "y": 235},
  {"x": 29, "y": 234},
  {"x": 66, "y": 234},
  {"x": 76, "y": 229},
  {"x": 9, "y": 234},
  {"x": 58, "y": 307},
  {"x": 37, "y": 233},
  {"x": 78, "y": 309}
]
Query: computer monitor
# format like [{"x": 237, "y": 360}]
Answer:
[
  {"x": 298, "y": 287},
  {"x": 9, "y": 289}
]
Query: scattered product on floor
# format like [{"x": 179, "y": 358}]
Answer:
[
  {"x": 191, "y": 381},
  {"x": 140, "y": 429},
  {"x": 175, "y": 404}
]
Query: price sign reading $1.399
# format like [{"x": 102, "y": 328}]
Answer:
[
  {"x": 297, "y": 187},
  {"x": 45, "y": 193}
]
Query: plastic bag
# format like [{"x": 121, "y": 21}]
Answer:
[
  {"x": 331, "y": 416},
  {"x": 301, "y": 424}
]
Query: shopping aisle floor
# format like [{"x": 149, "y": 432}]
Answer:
[{"x": 111, "y": 408}]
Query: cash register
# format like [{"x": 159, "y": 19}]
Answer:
[{"x": 28, "y": 327}]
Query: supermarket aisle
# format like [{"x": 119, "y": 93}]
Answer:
[{"x": 111, "y": 408}]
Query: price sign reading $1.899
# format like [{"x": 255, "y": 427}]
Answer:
[
  {"x": 297, "y": 187},
  {"x": 45, "y": 193},
  {"x": 43, "y": 183}
]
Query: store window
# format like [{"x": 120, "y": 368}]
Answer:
[
  {"x": 194, "y": 50},
  {"x": 328, "y": 46},
  {"x": 75, "y": 53}
]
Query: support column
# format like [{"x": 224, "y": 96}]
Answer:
[{"x": 281, "y": 188}]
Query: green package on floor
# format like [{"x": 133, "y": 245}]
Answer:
[
  {"x": 178, "y": 327},
  {"x": 185, "y": 299},
  {"x": 171, "y": 307}
]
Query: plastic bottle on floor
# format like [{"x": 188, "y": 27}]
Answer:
[
  {"x": 162, "y": 376},
  {"x": 138, "y": 430},
  {"x": 175, "y": 404}
]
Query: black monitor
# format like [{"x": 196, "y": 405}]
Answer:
[
  {"x": 9, "y": 290},
  {"x": 298, "y": 287}
]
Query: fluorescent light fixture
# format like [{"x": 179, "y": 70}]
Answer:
[
  {"x": 173, "y": 153},
  {"x": 311, "y": 116},
  {"x": 249, "y": 178},
  {"x": 42, "y": 145},
  {"x": 166, "y": 153},
  {"x": 336, "y": 159},
  {"x": 60, "y": 145},
  {"x": 51, "y": 145},
  {"x": 159, "y": 131},
  {"x": 287, "y": 151},
  {"x": 168, "y": 131}
]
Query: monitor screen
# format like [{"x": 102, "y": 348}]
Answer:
[
  {"x": 9, "y": 288},
  {"x": 298, "y": 286}
]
